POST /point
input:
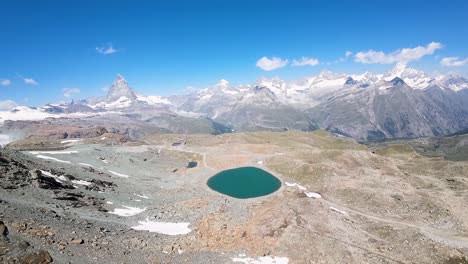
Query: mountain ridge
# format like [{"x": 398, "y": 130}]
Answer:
[{"x": 401, "y": 103}]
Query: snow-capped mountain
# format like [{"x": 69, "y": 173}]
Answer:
[
  {"x": 119, "y": 90},
  {"x": 414, "y": 78},
  {"x": 121, "y": 96},
  {"x": 453, "y": 82},
  {"x": 402, "y": 102}
]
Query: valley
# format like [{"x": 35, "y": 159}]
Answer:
[{"x": 137, "y": 201}]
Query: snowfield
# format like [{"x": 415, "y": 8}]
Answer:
[
  {"x": 171, "y": 229},
  {"x": 119, "y": 174},
  {"x": 262, "y": 260},
  {"x": 128, "y": 211},
  {"x": 51, "y": 158}
]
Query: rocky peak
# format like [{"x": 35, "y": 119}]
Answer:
[
  {"x": 397, "y": 81},
  {"x": 120, "y": 89},
  {"x": 350, "y": 81},
  {"x": 414, "y": 78}
]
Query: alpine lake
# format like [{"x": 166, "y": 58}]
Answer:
[{"x": 244, "y": 182}]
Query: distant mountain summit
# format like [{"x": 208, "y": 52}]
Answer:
[
  {"x": 120, "y": 90},
  {"x": 414, "y": 78},
  {"x": 400, "y": 103}
]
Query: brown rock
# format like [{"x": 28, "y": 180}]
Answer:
[
  {"x": 77, "y": 241},
  {"x": 40, "y": 257}
]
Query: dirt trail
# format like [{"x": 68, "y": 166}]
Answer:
[{"x": 449, "y": 238}]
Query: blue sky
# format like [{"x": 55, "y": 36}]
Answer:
[{"x": 162, "y": 47}]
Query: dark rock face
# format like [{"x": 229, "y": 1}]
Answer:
[
  {"x": 350, "y": 81},
  {"x": 45, "y": 182},
  {"x": 393, "y": 110}
]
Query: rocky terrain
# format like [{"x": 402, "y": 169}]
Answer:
[{"x": 112, "y": 199}]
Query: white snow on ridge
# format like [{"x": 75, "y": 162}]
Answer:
[
  {"x": 119, "y": 174},
  {"x": 122, "y": 102},
  {"x": 50, "y": 158},
  {"x": 153, "y": 100},
  {"x": 262, "y": 260},
  {"x": 165, "y": 228},
  {"x": 127, "y": 211}
]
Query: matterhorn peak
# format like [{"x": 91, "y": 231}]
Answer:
[
  {"x": 120, "y": 89},
  {"x": 119, "y": 77}
]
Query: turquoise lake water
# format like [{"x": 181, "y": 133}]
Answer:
[{"x": 244, "y": 182}]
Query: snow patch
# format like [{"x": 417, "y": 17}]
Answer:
[
  {"x": 141, "y": 196},
  {"x": 59, "y": 179},
  {"x": 81, "y": 182},
  {"x": 293, "y": 184},
  {"x": 128, "y": 211},
  {"x": 313, "y": 195},
  {"x": 109, "y": 202},
  {"x": 85, "y": 164},
  {"x": 171, "y": 229},
  {"x": 50, "y": 158},
  {"x": 70, "y": 141},
  {"x": 262, "y": 260},
  {"x": 119, "y": 174},
  {"x": 53, "y": 152}
]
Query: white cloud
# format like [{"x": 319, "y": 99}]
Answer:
[
  {"x": 305, "y": 62},
  {"x": 453, "y": 61},
  {"x": 7, "y": 105},
  {"x": 30, "y": 81},
  {"x": 106, "y": 49},
  {"x": 267, "y": 64},
  {"x": 348, "y": 53},
  {"x": 5, "y": 82},
  {"x": 402, "y": 55},
  {"x": 69, "y": 92}
]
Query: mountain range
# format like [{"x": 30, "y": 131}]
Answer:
[{"x": 400, "y": 103}]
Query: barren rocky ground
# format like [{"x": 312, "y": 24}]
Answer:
[{"x": 93, "y": 200}]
